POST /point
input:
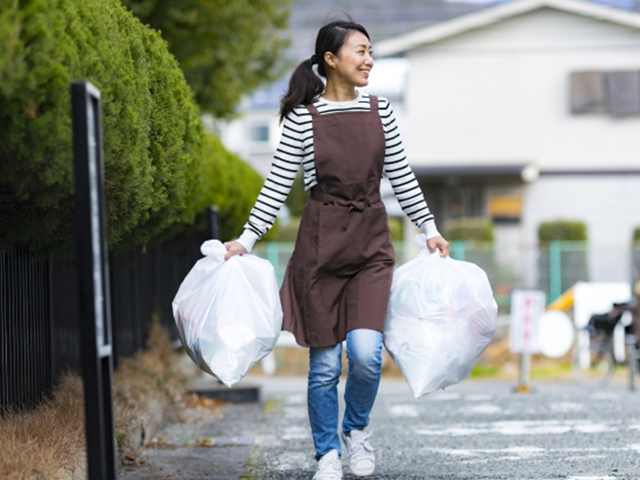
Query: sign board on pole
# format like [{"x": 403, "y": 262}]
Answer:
[{"x": 527, "y": 306}]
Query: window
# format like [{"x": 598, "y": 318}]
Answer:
[
  {"x": 465, "y": 202},
  {"x": 259, "y": 133},
  {"x": 616, "y": 93}
]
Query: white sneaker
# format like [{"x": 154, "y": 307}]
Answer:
[
  {"x": 329, "y": 467},
  {"x": 362, "y": 461}
]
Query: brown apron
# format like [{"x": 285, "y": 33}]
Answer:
[{"x": 339, "y": 275}]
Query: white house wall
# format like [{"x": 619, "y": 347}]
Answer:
[
  {"x": 501, "y": 95},
  {"x": 608, "y": 204}
]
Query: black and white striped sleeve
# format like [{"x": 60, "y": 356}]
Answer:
[
  {"x": 402, "y": 179},
  {"x": 276, "y": 188}
]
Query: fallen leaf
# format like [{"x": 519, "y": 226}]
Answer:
[
  {"x": 131, "y": 458},
  {"x": 201, "y": 443}
]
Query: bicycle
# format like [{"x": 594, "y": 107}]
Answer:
[{"x": 593, "y": 361}]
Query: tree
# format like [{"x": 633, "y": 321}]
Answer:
[
  {"x": 225, "y": 48},
  {"x": 150, "y": 122},
  {"x": 153, "y": 137}
]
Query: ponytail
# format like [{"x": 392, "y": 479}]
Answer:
[{"x": 305, "y": 85}]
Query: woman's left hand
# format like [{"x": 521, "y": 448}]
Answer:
[{"x": 438, "y": 242}]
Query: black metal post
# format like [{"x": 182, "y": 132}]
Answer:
[
  {"x": 93, "y": 276},
  {"x": 214, "y": 222}
]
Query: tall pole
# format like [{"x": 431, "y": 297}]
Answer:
[
  {"x": 213, "y": 217},
  {"x": 93, "y": 276}
]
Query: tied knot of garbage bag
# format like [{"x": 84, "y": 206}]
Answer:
[{"x": 213, "y": 248}]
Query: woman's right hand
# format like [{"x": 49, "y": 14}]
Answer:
[
  {"x": 438, "y": 243},
  {"x": 234, "y": 248}
]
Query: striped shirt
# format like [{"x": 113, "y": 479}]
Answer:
[{"x": 296, "y": 148}]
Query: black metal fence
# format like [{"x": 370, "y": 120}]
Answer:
[{"x": 39, "y": 321}]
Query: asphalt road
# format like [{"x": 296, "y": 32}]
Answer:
[{"x": 475, "y": 430}]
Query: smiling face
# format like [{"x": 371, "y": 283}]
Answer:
[{"x": 353, "y": 63}]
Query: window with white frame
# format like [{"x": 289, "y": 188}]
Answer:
[{"x": 615, "y": 93}]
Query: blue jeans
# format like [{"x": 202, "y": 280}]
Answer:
[{"x": 364, "y": 352}]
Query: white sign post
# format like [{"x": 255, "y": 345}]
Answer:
[{"x": 527, "y": 306}]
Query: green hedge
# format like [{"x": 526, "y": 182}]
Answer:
[
  {"x": 231, "y": 184},
  {"x": 160, "y": 168},
  {"x": 562, "y": 230},
  {"x": 469, "y": 229},
  {"x": 288, "y": 232},
  {"x": 150, "y": 122},
  {"x": 571, "y": 261},
  {"x": 635, "y": 253},
  {"x": 297, "y": 198},
  {"x": 396, "y": 229}
]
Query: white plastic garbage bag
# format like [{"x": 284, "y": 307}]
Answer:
[
  {"x": 441, "y": 317},
  {"x": 228, "y": 313}
]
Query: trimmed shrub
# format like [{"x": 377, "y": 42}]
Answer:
[
  {"x": 635, "y": 253},
  {"x": 297, "y": 198},
  {"x": 562, "y": 230},
  {"x": 289, "y": 232},
  {"x": 469, "y": 229},
  {"x": 151, "y": 126},
  {"x": 573, "y": 264},
  {"x": 228, "y": 182},
  {"x": 396, "y": 229}
]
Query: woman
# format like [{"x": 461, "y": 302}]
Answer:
[{"x": 338, "y": 280}]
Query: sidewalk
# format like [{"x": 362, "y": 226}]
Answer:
[
  {"x": 213, "y": 442},
  {"x": 207, "y": 442},
  {"x": 477, "y": 430}
]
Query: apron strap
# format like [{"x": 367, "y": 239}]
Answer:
[
  {"x": 312, "y": 109},
  {"x": 374, "y": 103},
  {"x": 373, "y": 100}
]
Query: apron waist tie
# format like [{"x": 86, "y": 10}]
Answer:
[{"x": 360, "y": 205}]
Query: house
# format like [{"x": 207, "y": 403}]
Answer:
[
  {"x": 255, "y": 134},
  {"x": 529, "y": 111},
  {"x": 503, "y": 112}
]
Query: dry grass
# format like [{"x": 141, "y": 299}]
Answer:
[
  {"x": 145, "y": 386},
  {"x": 48, "y": 442}
]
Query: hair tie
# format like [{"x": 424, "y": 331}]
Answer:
[{"x": 313, "y": 59}]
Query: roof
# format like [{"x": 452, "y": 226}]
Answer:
[
  {"x": 386, "y": 21},
  {"x": 497, "y": 13},
  {"x": 383, "y": 19}
]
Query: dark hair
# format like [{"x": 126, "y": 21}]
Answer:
[{"x": 305, "y": 85}]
